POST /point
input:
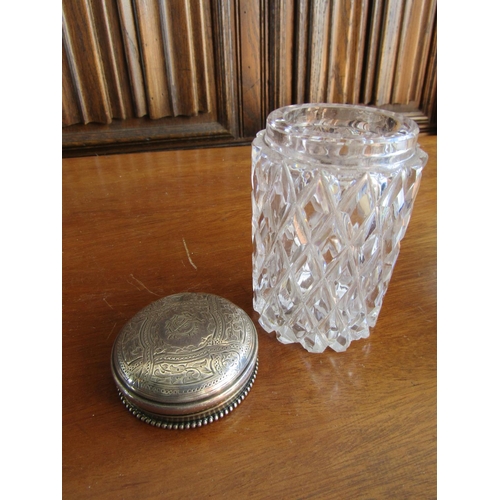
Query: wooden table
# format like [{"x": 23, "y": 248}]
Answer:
[{"x": 359, "y": 424}]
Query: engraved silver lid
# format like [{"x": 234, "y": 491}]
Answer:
[{"x": 185, "y": 360}]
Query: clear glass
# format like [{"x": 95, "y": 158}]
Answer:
[{"x": 333, "y": 188}]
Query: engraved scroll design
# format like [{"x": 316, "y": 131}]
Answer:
[{"x": 168, "y": 348}]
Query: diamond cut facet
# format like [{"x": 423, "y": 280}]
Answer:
[{"x": 328, "y": 218}]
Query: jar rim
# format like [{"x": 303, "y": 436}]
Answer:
[{"x": 341, "y": 132}]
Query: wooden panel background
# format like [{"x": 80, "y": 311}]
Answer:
[
  {"x": 137, "y": 60},
  {"x": 158, "y": 74}
]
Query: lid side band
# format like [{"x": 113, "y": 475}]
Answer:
[{"x": 189, "y": 421}]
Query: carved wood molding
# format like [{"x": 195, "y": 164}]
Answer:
[
  {"x": 373, "y": 52},
  {"x": 156, "y": 74},
  {"x": 159, "y": 74}
]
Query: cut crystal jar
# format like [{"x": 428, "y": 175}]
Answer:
[{"x": 333, "y": 188}]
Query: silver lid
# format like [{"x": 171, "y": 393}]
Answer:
[{"x": 185, "y": 360}]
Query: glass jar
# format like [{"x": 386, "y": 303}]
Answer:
[{"x": 333, "y": 188}]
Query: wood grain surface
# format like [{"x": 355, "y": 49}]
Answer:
[
  {"x": 353, "y": 425},
  {"x": 142, "y": 76}
]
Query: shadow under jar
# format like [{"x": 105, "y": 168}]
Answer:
[{"x": 333, "y": 188}]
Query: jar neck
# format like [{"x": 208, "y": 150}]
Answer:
[{"x": 342, "y": 135}]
